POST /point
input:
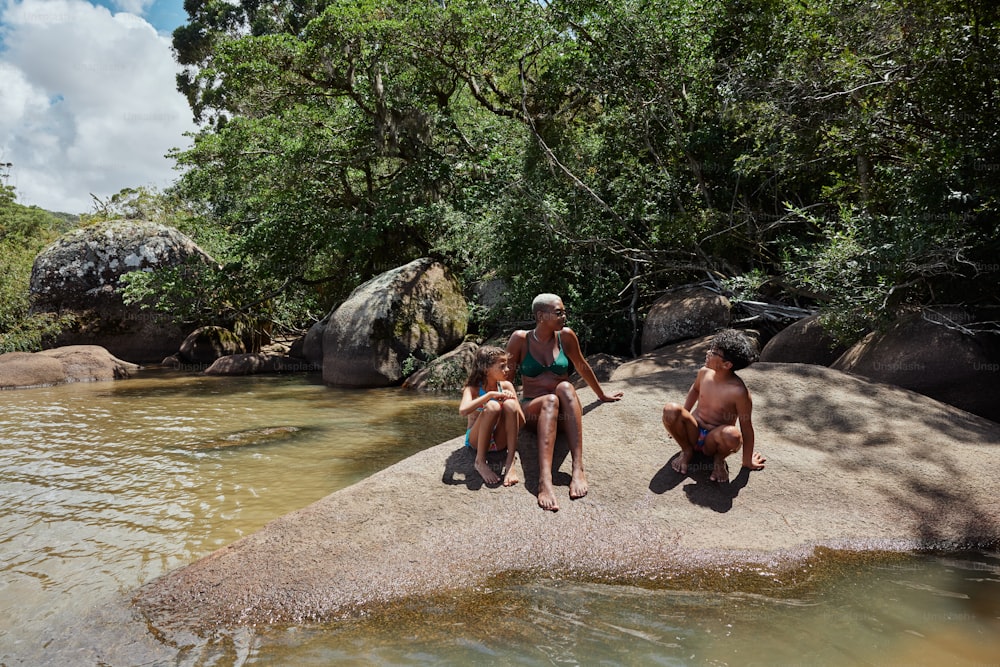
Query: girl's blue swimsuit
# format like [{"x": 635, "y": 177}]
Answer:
[{"x": 493, "y": 443}]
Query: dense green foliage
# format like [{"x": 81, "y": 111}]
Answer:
[
  {"x": 833, "y": 153},
  {"x": 234, "y": 292},
  {"x": 24, "y": 232}
]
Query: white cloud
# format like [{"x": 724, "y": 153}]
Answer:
[
  {"x": 133, "y": 6},
  {"x": 88, "y": 102}
]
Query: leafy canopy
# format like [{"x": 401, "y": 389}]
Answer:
[{"x": 835, "y": 153}]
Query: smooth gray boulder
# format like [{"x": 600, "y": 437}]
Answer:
[
  {"x": 80, "y": 273},
  {"x": 312, "y": 344},
  {"x": 803, "y": 342},
  {"x": 686, "y": 313},
  {"x": 416, "y": 310},
  {"x": 254, "y": 363},
  {"x": 929, "y": 353}
]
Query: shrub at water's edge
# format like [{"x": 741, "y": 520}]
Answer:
[{"x": 24, "y": 231}]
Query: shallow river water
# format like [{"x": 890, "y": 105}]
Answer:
[{"x": 105, "y": 486}]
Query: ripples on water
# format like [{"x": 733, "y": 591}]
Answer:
[
  {"x": 901, "y": 610},
  {"x": 106, "y": 486}
]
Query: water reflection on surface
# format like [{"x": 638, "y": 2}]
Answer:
[
  {"x": 106, "y": 486},
  {"x": 884, "y": 610}
]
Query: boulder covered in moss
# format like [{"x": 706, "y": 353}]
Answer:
[
  {"x": 392, "y": 323},
  {"x": 446, "y": 373},
  {"x": 206, "y": 344}
]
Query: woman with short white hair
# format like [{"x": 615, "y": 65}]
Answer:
[{"x": 543, "y": 356}]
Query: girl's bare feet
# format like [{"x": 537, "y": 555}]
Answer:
[
  {"x": 510, "y": 479},
  {"x": 484, "y": 470}
]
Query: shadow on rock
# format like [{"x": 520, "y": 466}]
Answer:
[
  {"x": 459, "y": 468},
  {"x": 703, "y": 491},
  {"x": 527, "y": 449},
  {"x": 666, "y": 478}
]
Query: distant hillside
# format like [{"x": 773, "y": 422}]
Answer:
[
  {"x": 68, "y": 220},
  {"x": 31, "y": 224}
]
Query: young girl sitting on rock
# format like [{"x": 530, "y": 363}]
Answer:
[{"x": 490, "y": 402}]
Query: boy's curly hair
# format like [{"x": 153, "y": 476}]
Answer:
[{"x": 736, "y": 347}]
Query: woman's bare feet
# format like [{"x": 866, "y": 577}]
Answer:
[
  {"x": 680, "y": 464},
  {"x": 484, "y": 470},
  {"x": 547, "y": 498}
]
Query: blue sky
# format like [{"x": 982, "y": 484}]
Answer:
[
  {"x": 88, "y": 102},
  {"x": 164, "y": 15}
]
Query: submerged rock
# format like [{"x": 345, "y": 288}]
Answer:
[{"x": 253, "y": 436}]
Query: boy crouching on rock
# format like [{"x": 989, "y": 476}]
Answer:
[{"x": 722, "y": 400}]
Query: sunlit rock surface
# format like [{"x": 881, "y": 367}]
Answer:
[
  {"x": 852, "y": 464},
  {"x": 73, "y": 363}
]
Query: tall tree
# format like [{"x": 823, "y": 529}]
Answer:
[{"x": 605, "y": 150}]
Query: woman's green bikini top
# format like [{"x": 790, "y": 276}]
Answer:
[{"x": 532, "y": 369}]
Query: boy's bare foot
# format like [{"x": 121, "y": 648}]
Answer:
[
  {"x": 680, "y": 464},
  {"x": 484, "y": 470},
  {"x": 720, "y": 472},
  {"x": 578, "y": 487},
  {"x": 547, "y": 499},
  {"x": 510, "y": 479}
]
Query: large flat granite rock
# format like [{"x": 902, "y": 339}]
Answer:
[{"x": 852, "y": 464}]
